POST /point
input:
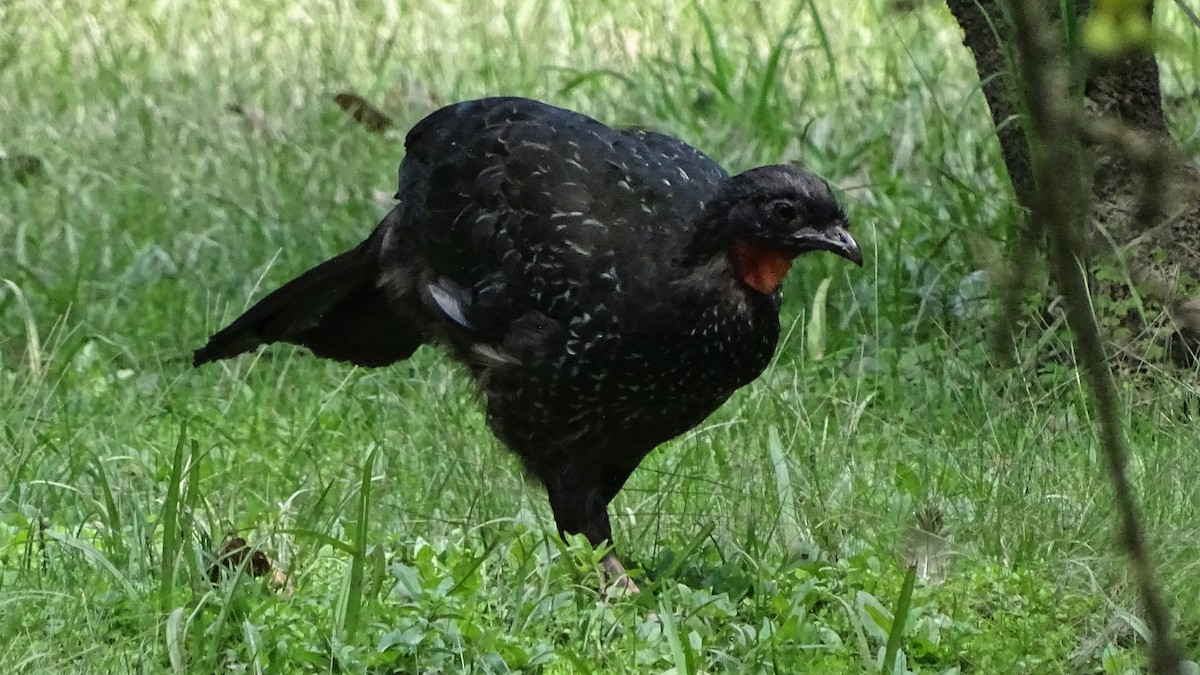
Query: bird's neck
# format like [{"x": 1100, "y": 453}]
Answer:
[
  {"x": 719, "y": 301},
  {"x": 760, "y": 266}
]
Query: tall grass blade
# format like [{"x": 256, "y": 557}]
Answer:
[
  {"x": 176, "y": 635},
  {"x": 815, "y": 329},
  {"x": 354, "y": 585},
  {"x": 770, "y": 73},
  {"x": 899, "y": 620},
  {"x": 789, "y": 522},
  {"x": 112, "y": 517},
  {"x": 170, "y": 522},
  {"x": 721, "y": 73},
  {"x": 671, "y": 631},
  {"x": 826, "y": 45}
]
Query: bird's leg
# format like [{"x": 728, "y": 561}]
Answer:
[
  {"x": 616, "y": 571},
  {"x": 614, "y": 479},
  {"x": 579, "y": 499}
]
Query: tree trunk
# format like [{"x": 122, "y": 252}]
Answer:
[{"x": 1151, "y": 232}]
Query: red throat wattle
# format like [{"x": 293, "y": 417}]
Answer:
[{"x": 759, "y": 265}]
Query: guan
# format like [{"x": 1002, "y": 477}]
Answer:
[{"x": 606, "y": 289}]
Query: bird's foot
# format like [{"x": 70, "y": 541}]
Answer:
[{"x": 616, "y": 571}]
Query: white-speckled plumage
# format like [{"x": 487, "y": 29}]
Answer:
[{"x": 586, "y": 276}]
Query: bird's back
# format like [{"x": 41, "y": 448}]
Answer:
[{"x": 539, "y": 209}]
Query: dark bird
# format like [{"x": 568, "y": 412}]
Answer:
[{"x": 607, "y": 289}]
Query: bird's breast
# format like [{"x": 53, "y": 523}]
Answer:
[{"x": 613, "y": 385}]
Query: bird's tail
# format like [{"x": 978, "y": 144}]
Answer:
[{"x": 335, "y": 309}]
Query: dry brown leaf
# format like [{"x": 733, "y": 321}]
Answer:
[
  {"x": 375, "y": 120},
  {"x": 233, "y": 555}
]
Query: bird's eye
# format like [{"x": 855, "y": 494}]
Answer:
[{"x": 783, "y": 212}]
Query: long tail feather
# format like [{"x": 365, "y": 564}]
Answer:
[{"x": 335, "y": 309}]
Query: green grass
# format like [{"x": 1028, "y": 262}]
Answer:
[{"x": 775, "y": 538}]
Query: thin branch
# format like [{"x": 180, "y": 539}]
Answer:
[
  {"x": 1189, "y": 13},
  {"x": 1059, "y": 206}
]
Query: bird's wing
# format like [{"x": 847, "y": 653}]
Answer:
[
  {"x": 540, "y": 209},
  {"x": 690, "y": 163}
]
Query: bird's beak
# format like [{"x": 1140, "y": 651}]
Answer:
[{"x": 833, "y": 239}]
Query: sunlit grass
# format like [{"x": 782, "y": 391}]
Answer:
[{"x": 775, "y": 537}]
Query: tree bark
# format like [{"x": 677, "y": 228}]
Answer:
[
  {"x": 1152, "y": 231},
  {"x": 988, "y": 33}
]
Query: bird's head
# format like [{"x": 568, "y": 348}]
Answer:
[{"x": 763, "y": 218}]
